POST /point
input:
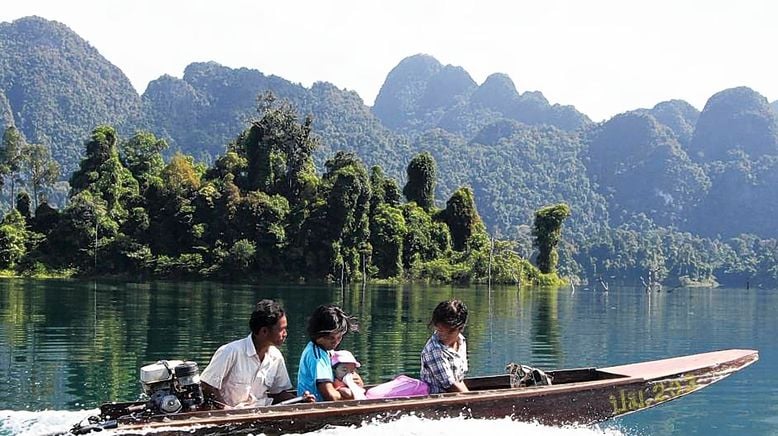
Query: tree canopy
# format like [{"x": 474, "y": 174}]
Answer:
[{"x": 259, "y": 211}]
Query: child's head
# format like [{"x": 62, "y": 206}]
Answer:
[
  {"x": 451, "y": 314},
  {"x": 328, "y": 324},
  {"x": 343, "y": 362}
]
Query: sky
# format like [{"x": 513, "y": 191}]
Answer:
[{"x": 604, "y": 57}]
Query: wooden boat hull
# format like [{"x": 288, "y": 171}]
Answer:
[{"x": 578, "y": 396}]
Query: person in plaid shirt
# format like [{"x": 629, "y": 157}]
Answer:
[{"x": 444, "y": 358}]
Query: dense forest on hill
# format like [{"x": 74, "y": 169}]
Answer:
[
  {"x": 686, "y": 193},
  {"x": 259, "y": 212}
]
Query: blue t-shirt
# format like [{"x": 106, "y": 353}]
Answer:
[{"x": 315, "y": 367}]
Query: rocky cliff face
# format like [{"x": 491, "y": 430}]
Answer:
[
  {"x": 59, "y": 87},
  {"x": 420, "y": 94},
  {"x": 735, "y": 121}
]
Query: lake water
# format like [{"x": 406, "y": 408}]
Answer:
[{"x": 67, "y": 346}]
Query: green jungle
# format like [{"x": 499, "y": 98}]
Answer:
[
  {"x": 442, "y": 179},
  {"x": 260, "y": 212}
]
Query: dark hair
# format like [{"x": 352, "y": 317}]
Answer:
[
  {"x": 266, "y": 314},
  {"x": 328, "y": 319},
  {"x": 452, "y": 313}
]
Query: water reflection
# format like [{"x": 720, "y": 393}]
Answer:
[
  {"x": 72, "y": 345},
  {"x": 545, "y": 328}
]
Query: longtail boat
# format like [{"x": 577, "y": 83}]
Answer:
[{"x": 577, "y": 396}]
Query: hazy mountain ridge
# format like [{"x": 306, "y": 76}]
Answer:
[
  {"x": 708, "y": 172},
  {"x": 678, "y": 115},
  {"x": 206, "y": 109},
  {"x": 201, "y": 112},
  {"x": 59, "y": 87},
  {"x": 736, "y": 120},
  {"x": 641, "y": 168},
  {"x": 420, "y": 94}
]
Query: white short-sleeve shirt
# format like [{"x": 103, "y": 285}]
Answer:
[{"x": 236, "y": 371}]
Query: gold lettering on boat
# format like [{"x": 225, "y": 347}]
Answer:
[{"x": 630, "y": 400}]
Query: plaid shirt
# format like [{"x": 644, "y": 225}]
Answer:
[{"x": 441, "y": 366}]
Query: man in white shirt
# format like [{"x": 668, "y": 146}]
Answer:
[{"x": 251, "y": 372}]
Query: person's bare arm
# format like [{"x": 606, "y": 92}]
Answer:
[
  {"x": 213, "y": 395},
  {"x": 329, "y": 392},
  {"x": 345, "y": 393}
]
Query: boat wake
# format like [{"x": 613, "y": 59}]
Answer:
[
  {"x": 24, "y": 422},
  {"x": 49, "y": 422},
  {"x": 415, "y": 426}
]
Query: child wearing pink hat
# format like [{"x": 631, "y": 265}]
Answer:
[
  {"x": 347, "y": 380},
  {"x": 350, "y": 385}
]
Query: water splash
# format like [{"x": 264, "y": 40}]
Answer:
[
  {"x": 415, "y": 426},
  {"x": 27, "y": 423}
]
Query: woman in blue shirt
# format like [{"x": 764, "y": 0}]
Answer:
[{"x": 326, "y": 328}]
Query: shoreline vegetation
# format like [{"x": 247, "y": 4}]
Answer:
[
  {"x": 259, "y": 211},
  {"x": 543, "y": 280}
]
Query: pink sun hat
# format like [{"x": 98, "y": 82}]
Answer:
[{"x": 343, "y": 356}]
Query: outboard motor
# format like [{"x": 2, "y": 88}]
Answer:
[
  {"x": 187, "y": 385},
  {"x": 172, "y": 386}
]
